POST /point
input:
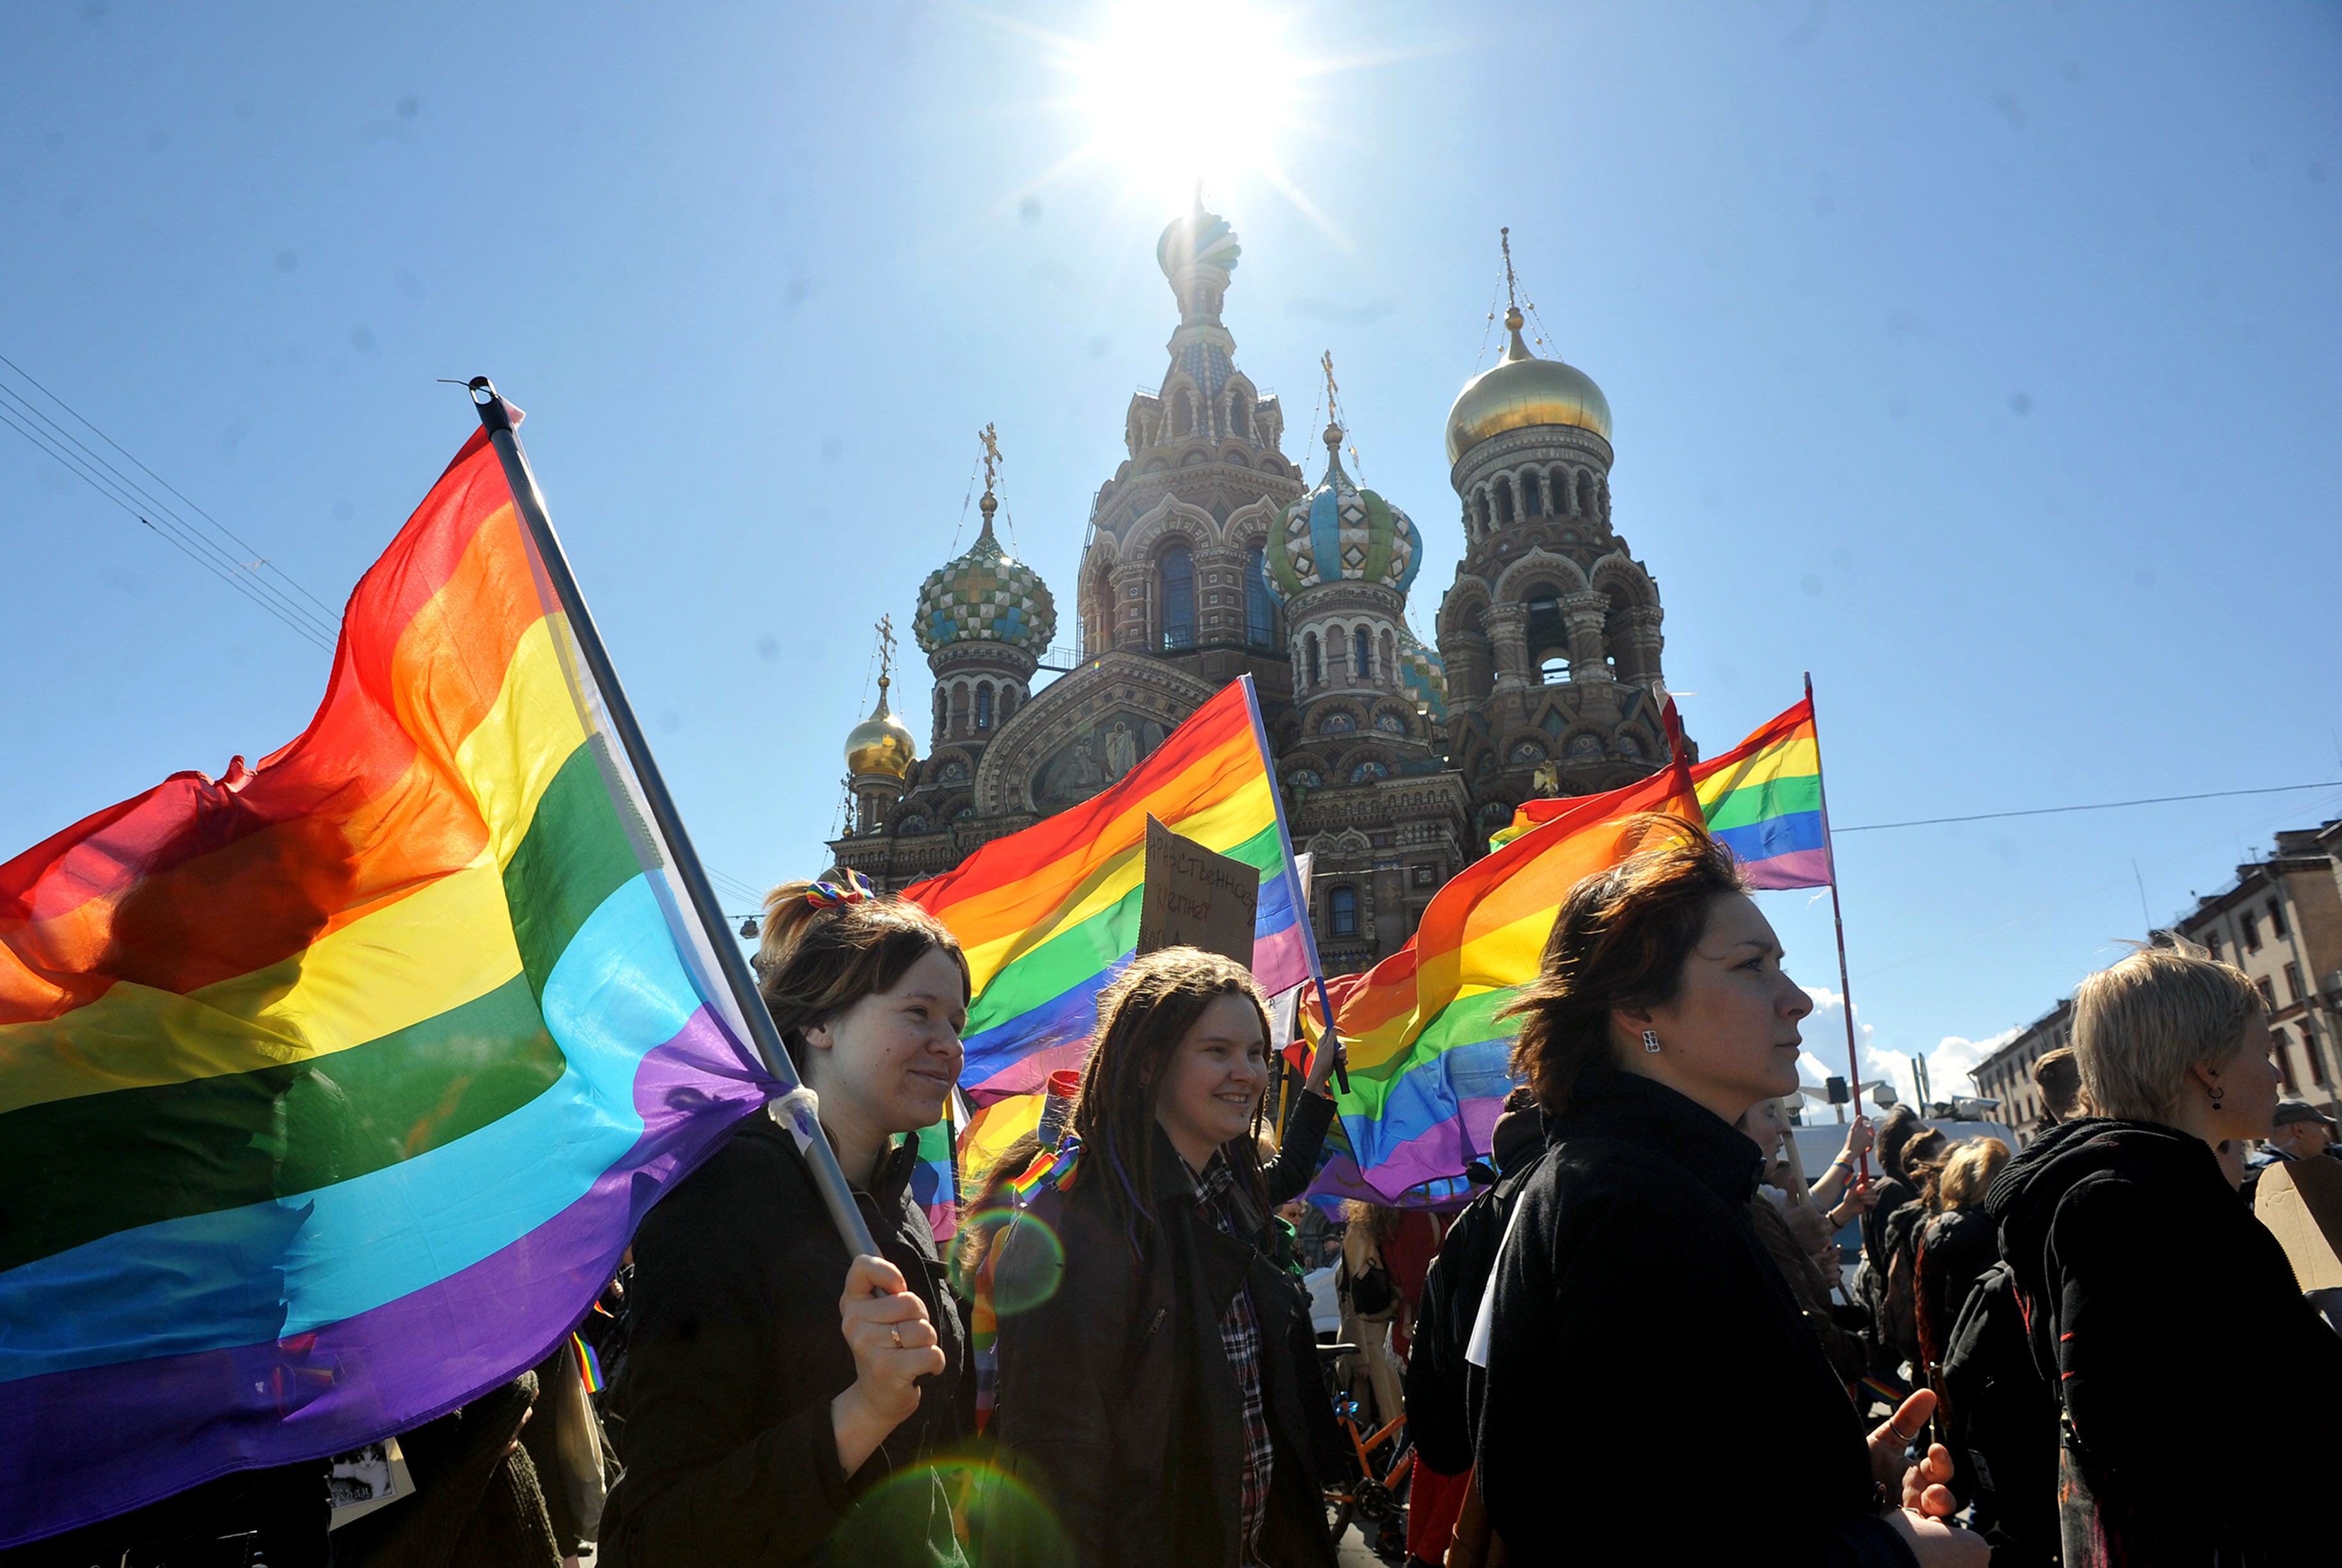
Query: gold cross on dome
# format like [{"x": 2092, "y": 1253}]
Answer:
[
  {"x": 1512, "y": 291},
  {"x": 991, "y": 455},
  {"x": 1333, "y": 390},
  {"x": 885, "y": 650}
]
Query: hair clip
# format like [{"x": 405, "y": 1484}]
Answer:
[{"x": 830, "y": 895}]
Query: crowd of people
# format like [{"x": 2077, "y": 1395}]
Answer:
[{"x": 1635, "y": 1341}]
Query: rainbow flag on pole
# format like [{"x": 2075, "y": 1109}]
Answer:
[
  {"x": 1426, "y": 1051},
  {"x": 1050, "y": 914},
  {"x": 1763, "y": 799},
  {"x": 333, "y": 1088}
]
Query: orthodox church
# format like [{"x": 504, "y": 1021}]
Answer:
[{"x": 1211, "y": 554}]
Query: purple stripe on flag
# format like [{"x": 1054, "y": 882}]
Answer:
[
  {"x": 1798, "y": 868},
  {"x": 86, "y": 1445}
]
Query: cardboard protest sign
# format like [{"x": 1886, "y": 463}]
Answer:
[
  {"x": 2300, "y": 1201},
  {"x": 1196, "y": 898}
]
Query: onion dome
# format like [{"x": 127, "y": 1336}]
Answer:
[
  {"x": 1198, "y": 238},
  {"x": 1424, "y": 674},
  {"x": 1341, "y": 534},
  {"x": 987, "y": 595},
  {"x": 1523, "y": 391},
  {"x": 880, "y": 744}
]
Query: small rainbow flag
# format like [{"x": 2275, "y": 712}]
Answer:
[
  {"x": 1049, "y": 915},
  {"x": 1763, "y": 799},
  {"x": 335, "y": 1086},
  {"x": 1426, "y": 1051},
  {"x": 934, "y": 1182},
  {"x": 589, "y": 1365}
]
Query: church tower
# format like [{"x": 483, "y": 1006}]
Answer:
[
  {"x": 984, "y": 620},
  {"x": 1550, "y": 632},
  {"x": 1172, "y": 567}
]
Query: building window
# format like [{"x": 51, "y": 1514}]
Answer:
[
  {"x": 2277, "y": 919},
  {"x": 1427, "y": 875},
  {"x": 2251, "y": 927},
  {"x": 2268, "y": 992},
  {"x": 984, "y": 705},
  {"x": 2212, "y": 944},
  {"x": 1342, "y": 903},
  {"x": 2292, "y": 981},
  {"x": 1178, "y": 598},
  {"x": 1362, "y": 648},
  {"x": 1260, "y": 610},
  {"x": 1309, "y": 658},
  {"x": 1555, "y": 671}
]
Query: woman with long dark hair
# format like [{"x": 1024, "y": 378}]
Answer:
[
  {"x": 1648, "y": 1373},
  {"x": 771, "y": 1381},
  {"x": 1148, "y": 1385}
]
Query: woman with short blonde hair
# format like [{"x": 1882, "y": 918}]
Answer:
[{"x": 2152, "y": 1294}]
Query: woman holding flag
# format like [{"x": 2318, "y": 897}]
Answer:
[
  {"x": 1148, "y": 1385},
  {"x": 771, "y": 1381},
  {"x": 1632, "y": 1270}
]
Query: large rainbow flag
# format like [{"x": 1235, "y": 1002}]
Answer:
[
  {"x": 1763, "y": 799},
  {"x": 334, "y": 1087},
  {"x": 1426, "y": 1051},
  {"x": 1048, "y": 915}
]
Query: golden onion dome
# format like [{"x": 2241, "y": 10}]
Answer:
[
  {"x": 1523, "y": 391},
  {"x": 880, "y": 744}
]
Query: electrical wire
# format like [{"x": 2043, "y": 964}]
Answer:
[{"x": 2102, "y": 805}]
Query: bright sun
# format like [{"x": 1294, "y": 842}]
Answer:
[{"x": 1177, "y": 93}]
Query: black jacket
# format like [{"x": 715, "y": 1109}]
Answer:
[
  {"x": 1893, "y": 1192},
  {"x": 1438, "y": 1379},
  {"x": 735, "y": 1354},
  {"x": 2203, "y": 1397},
  {"x": 1956, "y": 1247},
  {"x": 1633, "y": 1280},
  {"x": 1115, "y": 1401}
]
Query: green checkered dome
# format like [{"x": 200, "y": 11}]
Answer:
[
  {"x": 986, "y": 596},
  {"x": 1338, "y": 533}
]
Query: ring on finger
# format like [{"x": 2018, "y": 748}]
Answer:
[{"x": 898, "y": 1337}]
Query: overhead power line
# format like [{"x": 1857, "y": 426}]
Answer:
[
  {"x": 240, "y": 567},
  {"x": 2102, "y": 805}
]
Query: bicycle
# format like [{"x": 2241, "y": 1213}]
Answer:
[{"x": 1374, "y": 1495}]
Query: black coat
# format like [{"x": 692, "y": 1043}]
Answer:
[
  {"x": 1115, "y": 1401},
  {"x": 1648, "y": 1377},
  {"x": 2202, "y": 1395},
  {"x": 1956, "y": 1247},
  {"x": 729, "y": 1455}
]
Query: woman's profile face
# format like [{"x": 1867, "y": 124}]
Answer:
[
  {"x": 1212, "y": 1082},
  {"x": 1731, "y": 1037},
  {"x": 895, "y": 1054},
  {"x": 2249, "y": 1079}
]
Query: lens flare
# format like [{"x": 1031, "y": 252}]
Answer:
[
  {"x": 1176, "y": 95},
  {"x": 996, "y": 1519}
]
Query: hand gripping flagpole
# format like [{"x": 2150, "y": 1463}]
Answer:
[
  {"x": 1838, "y": 918},
  {"x": 795, "y": 1102}
]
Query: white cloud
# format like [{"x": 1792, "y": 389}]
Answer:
[{"x": 1949, "y": 1063}]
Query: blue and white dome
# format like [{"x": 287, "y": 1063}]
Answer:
[
  {"x": 1425, "y": 676},
  {"x": 1341, "y": 534}
]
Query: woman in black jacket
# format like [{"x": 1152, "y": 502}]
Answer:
[
  {"x": 1632, "y": 1281},
  {"x": 771, "y": 1383},
  {"x": 1150, "y": 1386},
  {"x": 2200, "y": 1391}
]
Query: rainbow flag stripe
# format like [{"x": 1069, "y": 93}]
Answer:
[
  {"x": 935, "y": 1184},
  {"x": 336, "y": 1086},
  {"x": 589, "y": 1365},
  {"x": 1427, "y": 1050},
  {"x": 1050, "y": 914},
  {"x": 1763, "y": 798}
]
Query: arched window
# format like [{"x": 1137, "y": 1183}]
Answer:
[
  {"x": 1532, "y": 503},
  {"x": 1362, "y": 650},
  {"x": 1315, "y": 670},
  {"x": 1585, "y": 492},
  {"x": 939, "y": 712},
  {"x": 1183, "y": 418},
  {"x": 1505, "y": 513},
  {"x": 1342, "y": 905},
  {"x": 1260, "y": 610},
  {"x": 1555, "y": 671},
  {"x": 1178, "y": 598},
  {"x": 1240, "y": 416},
  {"x": 984, "y": 705}
]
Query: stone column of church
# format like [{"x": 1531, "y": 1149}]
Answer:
[
  {"x": 1586, "y": 614},
  {"x": 1130, "y": 585},
  {"x": 1507, "y": 626},
  {"x": 875, "y": 795},
  {"x": 1643, "y": 643}
]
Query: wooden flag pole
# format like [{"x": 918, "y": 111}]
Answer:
[
  {"x": 1837, "y": 919},
  {"x": 796, "y": 1105}
]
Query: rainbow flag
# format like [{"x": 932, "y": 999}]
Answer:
[
  {"x": 334, "y": 1087},
  {"x": 1049, "y": 915},
  {"x": 935, "y": 1184},
  {"x": 1763, "y": 798},
  {"x": 1426, "y": 1052}
]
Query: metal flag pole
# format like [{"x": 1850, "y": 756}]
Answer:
[
  {"x": 1331, "y": 1040},
  {"x": 1837, "y": 919},
  {"x": 795, "y": 1102}
]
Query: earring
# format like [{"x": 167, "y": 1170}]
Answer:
[
  {"x": 1651, "y": 1041},
  {"x": 2217, "y": 1093}
]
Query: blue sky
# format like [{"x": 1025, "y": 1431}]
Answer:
[{"x": 1980, "y": 359}]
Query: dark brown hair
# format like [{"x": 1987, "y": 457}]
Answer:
[
  {"x": 1142, "y": 1017},
  {"x": 2058, "y": 1077},
  {"x": 818, "y": 959},
  {"x": 1620, "y": 941}
]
